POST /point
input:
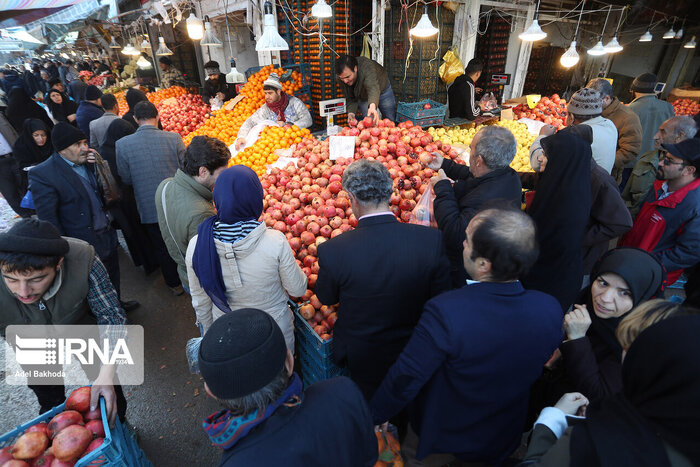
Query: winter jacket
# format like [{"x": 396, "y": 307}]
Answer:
[
  {"x": 609, "y": 217},
  {"x": 210, "y": 89},
  {"x": 295, "y": 113},
  {"x": 454, "y": 206},
  {"x": 86, "y": 113},
  {"x": 640, "y": 182},
  {"x": 371, "y": 81},
  {"x": 76, "y": 90},
  {"x": 331, "y": 426},
  {"x": 652, "y": 112},
  {"x": 462, "y": 96},
  {"x": 604, "y": 141},
  {"x": 669, "y": 228},
  {"x": 188, "y": 203},
  {"x": 259, "y": 271},
  {"x": 629, "y": 135}
]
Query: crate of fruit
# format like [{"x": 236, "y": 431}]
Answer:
[
  {"x": 73, "y": 437},
  {"x": 304, "y": 69},
  {"x": 423, "y": 113},
  {"x": 315, "y": 352}
]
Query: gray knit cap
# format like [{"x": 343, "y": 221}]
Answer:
[{"x": 585, "y": 101}]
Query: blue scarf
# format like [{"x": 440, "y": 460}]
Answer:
[
  {"x": 238, "y": 197},
  {"x": 225, "y": 429}
]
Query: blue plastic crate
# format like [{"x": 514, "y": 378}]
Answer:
[
  {"x": 118, "y": 448},
  {"x": 306, "y": 334},
  {"x": 315, "y": 354},
  {"x": 415, "y": 110}
]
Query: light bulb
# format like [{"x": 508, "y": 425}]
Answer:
[
  {"x": 145, "y": 45},
  {"x": 321, "y": 9},
  {"x": 670, "y": 34},
  {"x": 424, "y": 27},
  {"x": 234, "y": 76},
  {"x": 646, "y": 37},
  {"x": 128, "y": 49},
  {"x": 690, "y": 44},
  {"x": 597, "y": 49},
  {"x": 210, "y": 38},
  {"x": 163, "y": 48},
  {"x": 613, "y": 46},
  {"x": 270, "y": 40},
  {"x": 533, "y": 33},
  {"x": 195, "y": 29},
  {"x": 143, "y": 63},
  {"x": 570, "y": 57},
  {"x": 679, "y": 34}
]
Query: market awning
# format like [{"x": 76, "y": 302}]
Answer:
[{"x": 34, "y": 4}]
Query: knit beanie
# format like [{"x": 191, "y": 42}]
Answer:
[
  {"x": 585, "y": 101},
  {"x": 274, "y": 81},
  {"x": 64, "y": 135},
  {"x": 33, "y": 237},
  {"x": 241, "y": 353},
  {"x": 688, "y": 150},
  {"x": 644, "y": 83},
  {"x": 92, "y": 93},
  {"x": 211, "y": 68}
]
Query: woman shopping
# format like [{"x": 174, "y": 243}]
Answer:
[
  {"x": 236, "y": 262},
  {"x": 60, "y": 107}
]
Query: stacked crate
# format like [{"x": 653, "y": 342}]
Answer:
[
  {"x": 420, "y": 79},
  {"x": 492, "y": 49}
]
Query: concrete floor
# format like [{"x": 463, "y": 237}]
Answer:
[{"x": 167, "y": 410}]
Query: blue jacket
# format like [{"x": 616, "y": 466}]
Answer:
[
  {"x": 332, "y": 426},
  {"x": 469, "y": 366},
  {"x": 87, "y": 112},
  {"x": 61, "y": 198}
]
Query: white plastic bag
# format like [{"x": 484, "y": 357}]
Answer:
[
  {"x": 423, "y": 214},
  {"x": 252, "y": 136}
]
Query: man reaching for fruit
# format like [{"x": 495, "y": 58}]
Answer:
[
  {"x": 488, "y": 179},
  {"x": 366, "y": 87},
  {"x": 279, "y": 107},
  {"x": 49, "y": 279}
]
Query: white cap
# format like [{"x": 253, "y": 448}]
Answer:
[{"x": 274, "y": 81}]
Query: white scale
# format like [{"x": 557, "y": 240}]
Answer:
[{"x": 328, "y": 109}]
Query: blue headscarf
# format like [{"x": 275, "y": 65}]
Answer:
[{"x": 238, "y": 197}]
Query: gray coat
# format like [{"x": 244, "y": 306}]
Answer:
[
  {"x": 98, "y": 129},
  {"x": 145, "y": 159},
  {"x": 8, "y": 131}
]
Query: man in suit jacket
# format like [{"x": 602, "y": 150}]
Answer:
[
  {"x": 487, "y": 181},
  {"x": 98, "y": 127},
  {"x": 381, "y": 273},
  {"x": 476, "y": 351},
  {"x": 67, "y": 194},
  {"x": 145, "y": 159}
]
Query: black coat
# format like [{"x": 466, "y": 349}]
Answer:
[
  {"x": 455, "y": 206},
  {"x": 462, "y": 98},
  {"x": 210, "y": 89},
  {"x": 382, "y": 273},
  {"x": 61, "y": 198}
]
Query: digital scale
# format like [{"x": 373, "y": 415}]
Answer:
[
  {"x": 328, "y": 109},
  {"x": 501, "y": 80}
]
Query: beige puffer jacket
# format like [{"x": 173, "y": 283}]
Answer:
[{"x": 259, "y": 272}]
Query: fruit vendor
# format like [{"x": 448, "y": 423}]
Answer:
[
  {"x": 49, "y": 279},
  {"x": 248, "y": 369},
  {"x": 366, "y": 87},
  {"x": 279, "y": 107},
  {"x": 215, "y": 85},
  {"x": 170, "y": 75},
  {"x": 463, "y": 91}
]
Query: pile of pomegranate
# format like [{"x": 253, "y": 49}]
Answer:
[
  {"x": 185, "y": 116},
  {"x": 62, "y": 441},
  {"x": 551, "y": 111},
  {"x": 306, "y": 200}
]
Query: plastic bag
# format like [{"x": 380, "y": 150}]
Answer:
[
  {"x": 192, "y": 352},
  {"x": 252, "y": 136},
  {"x": 423, "y": 213},
  {"x": 488, "y": 101},
  {"x": 216, "y": 103},
  {"x": 452, "y": 68},
  {"x": 27, "y": 201},
  {"x": 365, "y": 48},
  {"x": 388, "y": 447}
]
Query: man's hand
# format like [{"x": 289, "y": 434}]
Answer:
[
  {"x": 91, "y": 158},
  {"x": 577, "y": 322},
  {"x": 221, "y": 96},
  {"x": 240, "y": 142},
  {"x": 441, "y": 175},
  {"x": 351, "y": 116},
  {"x": 104, "y": 386},
  {"x": 478, "y": 90},
  {"x": 372, "y": 113},
  {"x": 548, "y": 130},
  {"x": 573, "y": 403},
  {"x": 436, "y": 163}
]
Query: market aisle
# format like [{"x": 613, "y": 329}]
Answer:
[{"x": 167, "y": 410}]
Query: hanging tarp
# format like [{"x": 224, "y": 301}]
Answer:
[{"x": 34, "y": 4}]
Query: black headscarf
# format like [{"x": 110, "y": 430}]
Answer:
[
  {"x": 117, "y": 130},
  {"x": 133, "y": 97},
  {"x": 21, "y": 107},
  {"x": 25, "y": 151},
  {"x": 560, "y": 209},
  {"x": 61, "y": 111},
  {"x": 660, "y": 402},
  {"x": 645, "y": 277}
]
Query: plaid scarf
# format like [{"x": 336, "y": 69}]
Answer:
[{"x": 225, "y": 429}]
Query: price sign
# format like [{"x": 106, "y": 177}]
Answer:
[{"x": 341, "y": 146}]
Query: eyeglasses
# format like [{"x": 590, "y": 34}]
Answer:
[{"x": 663, "y": 157}]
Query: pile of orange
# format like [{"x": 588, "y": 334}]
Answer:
[
  {"x": 121, "y": 100},
  {"x": 158, "y": 96},
  {"x": 224, "y": 124},
  {"x": 262, "y": 153}
]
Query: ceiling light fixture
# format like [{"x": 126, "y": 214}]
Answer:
[
  {"x": 195, "y": 28},
  {"x": 210, "y": 38},
  {"x": 598, "y": 49},
  {"x": 570, "y": 57},
  {"x": 270, "y": 41},
  {"x": 424, "y": 27},
  {"x": 647, "y": 37},
  {"x": 690, "y": 44},
  {"x": 534, "y": 32},
  {"x": 614, "y": 46},
  {"x": 321, "y": 10},
  {"x": 163, "y": 48}
]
